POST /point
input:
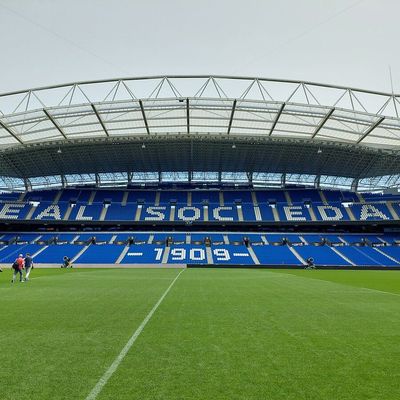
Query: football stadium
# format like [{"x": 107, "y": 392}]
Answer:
[{"x": 226, "y": 238}]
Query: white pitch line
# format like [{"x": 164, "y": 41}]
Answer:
[{"x": 113, "y": 367}]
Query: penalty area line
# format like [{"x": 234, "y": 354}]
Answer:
[{"x": 113, "y": 367}]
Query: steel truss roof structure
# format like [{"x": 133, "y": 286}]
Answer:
[{"x": 194, "y": 125}]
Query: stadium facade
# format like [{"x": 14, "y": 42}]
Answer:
[{"x": 201, "y": 170}]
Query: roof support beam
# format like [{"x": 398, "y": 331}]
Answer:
[
  {"x": 100, "y": 120},
  {"x": 97, "y": 178},
  {"x": 144, "y": 117},
  {"x": 231, "y": 118},
  {"x": 11, "y": 132},
  {"x": 354, "y": 185},
  {"x": 317, "y": 181},
  {"x": 370, "y": 129},
  {"x": 51, "y": 119},
  {"x": 278, "y": 115},
  {"x": 187, "y": 116},
  {"x": 283, "y": 180},
  {"x": 323, "y": 122},
  {"x": 28, "y": 185}
]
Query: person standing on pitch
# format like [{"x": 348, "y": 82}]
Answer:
[
  {"x": 18, "y": 266},
  {"x": 28, "y": 265}
]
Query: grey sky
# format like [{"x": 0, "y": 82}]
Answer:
[{"x": 346, "y": 42}]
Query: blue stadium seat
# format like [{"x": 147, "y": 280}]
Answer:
[
  {"x": 266, "y": 212},
  {"x": 323, "y": 255},
  {"x": 311, "y": 238},
  {"x": 202, "y": 196},
  {"x": 230, "y": 254},
  {"x": 9, "y": 236},
  {"x": 371, "y": 212},
  {"x": 187, "y": 254},
  {"x": 301, "y": 195},
  {"x": 334, "y": 196},
  {"x": 396, "y": 207},
  {"x": 69, "y": 194},
  {"x": 176, "y": 237},
  {"x": 248, "y": 212},
  {"x": 392, "y": 251},
  {"x": 86, "y": 213},
  {"x": 155, "y": 213},
  {"x": 225, "y": 213},
  {"x": 330, "y": 212},
  {"x": 354, "y": 238},
  {"x": 266, "y": 196},
  {"x": 13, "y": 196},
  {"x": 14, "y": 211},
  {"x": 200, "y": 237},
  {"x": 236, "y": 237},
  {"x": 275, "y": 255},
  {"x": 233, "y": 196},
  {"x": 146, "y": 196},
  {"x": 54, "y": 254},
  {"x": 115, "y": 196},
  {"x": 278, "y": 237},
  {"x": 178, "y": 197},
  {"x": 41, "y": 195},
  {"x": 391, "y": 237},
  {"x": 48, "y": 211},
  {"x": 144, "y": 254},
  {"x": 117, "y": 212},
  {"x": 293, "y": 213},
  {"x": 65, "y": 237},
  {"x": 100, "y": 254},
  {"x": 254, "y": 238},
  {"x": 11, "y": 252},
  {"x": 84, "y": 195},
  {"x": 27, "y": 237},
  {"x": 122, "y": 237},
  {"x": 364, "y": 256},
  {"x": 100, "y": 237},
  {"x": 349, "y": 196}
]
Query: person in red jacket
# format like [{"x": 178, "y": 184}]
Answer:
[{"x": 18, "y": 266}]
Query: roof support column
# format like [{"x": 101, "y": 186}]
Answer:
[
  {"x": 249, "y": 177},
  {"x": 354, "y": 185},
  {"x": 317, "y": 181},
  {"x": 283, "y": 180},
  {"x": 97, "y": 177},
  {"x": 231, "y": 117},
  {"x": 187, "y": 116},
  {"x": 63, "y": 181},
  {"x": 28, "y": 185}
]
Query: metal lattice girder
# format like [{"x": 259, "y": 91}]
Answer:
[
  {"x": 224, "y": 124},
  {"x": 156, "y": 105}
]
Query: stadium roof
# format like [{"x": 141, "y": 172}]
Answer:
[{"x": 220, "y": 128}]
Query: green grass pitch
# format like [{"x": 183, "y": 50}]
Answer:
[{"x": 218, "y": 334}]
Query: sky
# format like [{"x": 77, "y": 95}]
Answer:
[{"x": 345, "y": 42}]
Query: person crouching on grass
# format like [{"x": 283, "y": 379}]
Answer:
[
  {"x": 66, "y": 262},
  {"x": 28, "y": 262},
  {"x": 18, "y": 266}
]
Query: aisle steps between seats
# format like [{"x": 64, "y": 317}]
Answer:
[
  {"x": 335, "y": 250},
  {"x": 123, "y": 254}
]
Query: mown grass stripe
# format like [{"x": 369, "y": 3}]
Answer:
[{"x": 113, "y": 367}]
